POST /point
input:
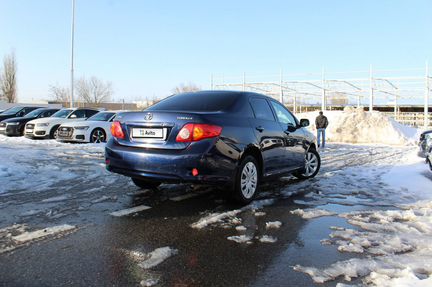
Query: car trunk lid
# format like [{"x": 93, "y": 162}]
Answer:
[{"x": 155, "y": 129}]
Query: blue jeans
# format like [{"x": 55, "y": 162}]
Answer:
[{"x": 319, "y": 133}]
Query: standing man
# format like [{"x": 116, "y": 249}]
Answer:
[{"x": 321, "y": 124}]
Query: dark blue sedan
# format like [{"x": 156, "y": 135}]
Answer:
[{"x": 232, "y": 139}]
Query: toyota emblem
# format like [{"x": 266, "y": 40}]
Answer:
[{"x": 148, "y": 116}]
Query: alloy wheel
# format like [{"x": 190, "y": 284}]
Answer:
[
  {"x": 98, "y": 136},
  {"x": 249, "y": 180},
  {"x": 311, "y": 164}
]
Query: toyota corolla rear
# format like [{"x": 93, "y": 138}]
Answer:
[{"x": 175, "y": 141}]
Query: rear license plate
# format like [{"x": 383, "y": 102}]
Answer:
[{"x": 148, "y": 133}]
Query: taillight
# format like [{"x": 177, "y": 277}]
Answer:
[
  {"x": 197, "y": 132},
  {"x": 117, "y": 131}
]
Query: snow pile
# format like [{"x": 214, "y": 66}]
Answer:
[
  {"x": 398, "y": 245},
  {"x": 357, "y": 126}
]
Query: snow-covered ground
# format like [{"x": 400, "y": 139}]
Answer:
[
  {"x": 396, "y": 239},
  {"x": 37, "y": 165}
]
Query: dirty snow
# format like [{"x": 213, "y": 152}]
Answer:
[
  {"x": 357, "y": 126},
  {"x": 273, "y": 225},
  {"x": 156, "y": 257},
  {"x": 17, "y": 235},
  {"x": 41, "y": 233},
  {"x": 312, "y": 213},
  {"x": 129, "y": 211},
  {"x": 36, "y": 165},
  {"x": 241, "y": 238},
  {"x": 395, "y": 241},
  {"x": 219, "y": 217},
  {"x": 267, "y": 239},
  {"x": 149, "y": 282},
  {"x": 241, "y": 228}
]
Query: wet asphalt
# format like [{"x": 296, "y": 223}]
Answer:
[{"x": 97, "y": 252}]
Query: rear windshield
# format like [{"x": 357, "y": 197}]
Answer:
[
  {"x": 12, "y": 111},
  {"x": 62, "y": 113},
  {"x": 196, "y": 102},
  {"x": 34, "y": 113},
  {"x": 102, "y": 116}
]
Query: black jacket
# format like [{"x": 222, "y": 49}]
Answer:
[{"x": 321, "y": 122}]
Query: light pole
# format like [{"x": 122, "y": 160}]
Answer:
[{"x": 72, "y": 55}]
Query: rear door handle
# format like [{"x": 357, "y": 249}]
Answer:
[{"x": 260, "y": 129}]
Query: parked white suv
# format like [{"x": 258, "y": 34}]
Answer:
[
  {"x": 95, "y": 129},
  {"x": 47, "y": 127}
]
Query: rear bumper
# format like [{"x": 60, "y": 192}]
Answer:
[{"x": 172, "y": 165}]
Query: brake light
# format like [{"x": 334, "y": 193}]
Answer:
[
  {"x": 117, "y": 131},
  {"x": 197, "y": 132}
]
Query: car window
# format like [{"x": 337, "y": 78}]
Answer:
[
  {"x": 90, "y": 113},
  {"x": 34, "y": 113},
  {"x": 47, "y": 114},
  {"x": 283, "y": 115},
  {"x": 78, "y": 114},
  {"x": 23, "y": 112},
  {"x": 12, "y": 111},
  {"x": 102, "y": 116},
  {"x": 62, "y": 113},
  {"x": 200, "y": 102},
  {"x": 261, "y": 109}
]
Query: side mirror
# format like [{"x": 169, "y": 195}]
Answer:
[
  {"x": 73, "y": 116},
  {"x": 304, "y": 123},
  {"x": 20, "y": 114},
  {"x": 291, "y": 128}
]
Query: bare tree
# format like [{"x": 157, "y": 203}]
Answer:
[
  {"x": 93, "y": 90},
  {"x": 182, "y": 88},
  {"x": 60, "y": 94},
  {"x": 8, "y": 78}
]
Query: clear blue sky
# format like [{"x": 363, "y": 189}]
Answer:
[{"x": 147, "y": 47}]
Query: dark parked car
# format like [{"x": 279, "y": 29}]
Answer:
[
  {"x": 425, "y": 143},
  {"x": 18, "y": 111},
  {"x": 234, "y": 139},
  {"x": 15, "y": 126}
]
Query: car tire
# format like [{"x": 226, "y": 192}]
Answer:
[
  {"x": 53, "y": 132},
  {"x": 312, "y": 165},
  {"x": 429, "y": 159},
  {"x": 247, "y": 181},
  {"x": 145, "y": 184},
  {"x": 98, "y": 136}
]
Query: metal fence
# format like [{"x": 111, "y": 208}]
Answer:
[{"x": 328, "y": 90}]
